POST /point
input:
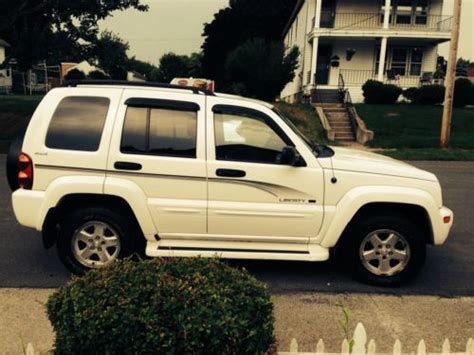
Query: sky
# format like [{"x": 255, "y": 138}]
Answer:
[{"x": 177, "y": 26}]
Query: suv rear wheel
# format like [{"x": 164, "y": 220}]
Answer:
[
  {"x": 95, "y": 237},
  {"x": 384, "y": 250}
]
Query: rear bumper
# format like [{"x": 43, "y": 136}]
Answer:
[
  {"x": 27, "y": 207},
  {"x": 441, "y": 227}
]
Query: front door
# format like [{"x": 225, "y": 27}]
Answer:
[
  {"x": 253, "y": 198},
  {"x": 158, "y": 152},
  {"x": 323, "y": 64}
]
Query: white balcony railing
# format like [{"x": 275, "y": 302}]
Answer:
[{"x": 374, "y": 20}]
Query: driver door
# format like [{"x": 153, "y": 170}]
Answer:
[{"x": 251, "y": 197}]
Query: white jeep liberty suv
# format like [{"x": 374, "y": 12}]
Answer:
[{"x": 107, "y": 169}]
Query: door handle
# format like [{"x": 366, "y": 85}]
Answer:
[
  {"x": 230, "y": 173},
  {"x": 123, "y": 165}
]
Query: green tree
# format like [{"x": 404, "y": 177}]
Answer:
[
  {"x": 62, "y": 30},
  {"x": 142, "y": 67},
  {"x": 241, "y": 21},
  {"x": 110, "y": 52},
  {"x": 260, "y": 68},
  {"x": 173, "y": 65},
  {"x": 461, "y": 67}
]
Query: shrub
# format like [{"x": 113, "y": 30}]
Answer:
[
  {"x": 98, "y": 75},
  {"x": 411, "y": 94},
  {"x": 174, "y": 305},
  {"x": 462, "y": 90},
  {"x": 372, "y": 91},
  {"x": 431, "y": 95},
  {"x": 376, "y": 92},
  {"x": 75, "y": 74},
  {"x": 390, "y": 94},
  {"x": 470, "y": 100}
]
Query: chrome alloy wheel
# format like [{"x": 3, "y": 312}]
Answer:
[
  {"x": 384, "y": 252},
  {"x": 95, "y": 244}
]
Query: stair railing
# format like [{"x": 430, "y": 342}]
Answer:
[{"x": 347, "y": 102}]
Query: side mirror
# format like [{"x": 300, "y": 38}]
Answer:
[{"x": 290, "y": 156}]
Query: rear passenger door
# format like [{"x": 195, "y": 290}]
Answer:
[{"x": 158, "y": 145}]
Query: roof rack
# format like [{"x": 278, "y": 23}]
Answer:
[{"x": 195, "y": 90}]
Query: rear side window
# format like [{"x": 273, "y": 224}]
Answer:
[
  {"x": 160, "y": 131},
  {"x": 77, "y": 123}
]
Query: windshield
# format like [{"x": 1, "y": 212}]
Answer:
[{"x": 293, "y": 128}]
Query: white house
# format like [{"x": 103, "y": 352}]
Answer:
[
  {"x": 351, "y": 41},
  {"x": 5, "y": 74}
]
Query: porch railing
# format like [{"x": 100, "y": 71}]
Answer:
[
  {"x": 359, "y": 77},
  {"x": 371, "y": 20}
]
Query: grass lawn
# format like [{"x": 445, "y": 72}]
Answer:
[
  {"x": 414, "y": 131},
  {"x": 304, "y": 117},
  {"x": 15, "y": 113}
]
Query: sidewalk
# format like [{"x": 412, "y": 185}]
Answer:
[{"x": 306, "y": 317}]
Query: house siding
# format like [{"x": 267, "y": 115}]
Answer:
[{"x": 2, "y": 54}]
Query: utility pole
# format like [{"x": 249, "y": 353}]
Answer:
[{"x": 450, "y": 76}]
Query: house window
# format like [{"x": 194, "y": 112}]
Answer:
[
  {"x": 421, "y": 12},
  {"x": 416, "y": 61},
  {"x": 399, "y": 61},
  {"x": 402, "y": 60},
  {"x": 406, "y": 12}
]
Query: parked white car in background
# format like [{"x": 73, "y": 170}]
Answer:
[{"x": 107, "y": 169}]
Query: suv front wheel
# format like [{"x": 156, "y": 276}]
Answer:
[
  {"x": 94, "y": 237},
  {"x": 384, "y": 250}
]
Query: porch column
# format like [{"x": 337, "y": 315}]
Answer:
[
  {"x": 317, "y": 14},
  {"x": 383, "y": 52},
  {"x": 386, "y": 17},
  {"x": 314, "y": 59}
]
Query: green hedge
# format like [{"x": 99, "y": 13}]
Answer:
[
  {"x": 171, "y": 305},
  {"x": 376, "y": 92},
  {"x": 430, "y": 95},
  {"x": 462, "y": 92}
]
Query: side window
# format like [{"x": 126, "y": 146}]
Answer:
[
  {"x": 77, "y": 123},
  {"x": 160, "y": 131},
  {"x": 246, "y": 136}
]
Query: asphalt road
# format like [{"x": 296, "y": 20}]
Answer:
[{"x": 449, "y": 269}]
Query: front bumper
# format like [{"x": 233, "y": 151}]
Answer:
[{"x": 442, "y": 225}]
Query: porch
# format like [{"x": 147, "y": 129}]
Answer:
[{"x": 400, "y": 61}]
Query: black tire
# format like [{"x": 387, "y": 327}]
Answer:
[
  {"x": 356, "y": 234},
  {"x": 130, "y": 237}
]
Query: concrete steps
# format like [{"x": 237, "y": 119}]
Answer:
[{"x": 336, "y": 112}]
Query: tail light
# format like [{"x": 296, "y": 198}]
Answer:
[{"x": 25, "y": 172}]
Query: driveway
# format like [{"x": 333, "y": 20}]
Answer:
[{"x": 449, "y": 270}]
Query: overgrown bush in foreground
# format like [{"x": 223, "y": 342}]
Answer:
[{"x": 163, "y": 306}]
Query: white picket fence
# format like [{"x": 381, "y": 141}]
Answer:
[{"x": 360, "y": 347}]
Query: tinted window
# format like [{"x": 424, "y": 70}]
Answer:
[
  {"x": 77, "y": 123},
  {"x": 134, "y": 139},
  {"x": 160, "y": 131},
  {"x": 173, "y": 133},
  {"x": 242, "y": 137}
]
